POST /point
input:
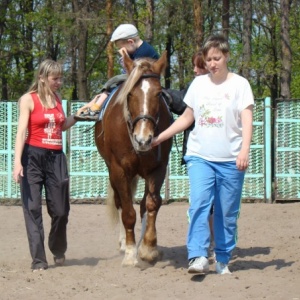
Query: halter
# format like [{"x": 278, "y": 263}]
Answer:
[{"x": 131, "y": 122}]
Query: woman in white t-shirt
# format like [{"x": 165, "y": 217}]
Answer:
[{"x": 221, "y": 104}]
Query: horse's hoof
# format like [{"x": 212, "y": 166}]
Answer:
[
  {"x": 129, "y": 262},
  {"x": 153, "y": 256},
  {"x": 130, "y": 258},
  {"x": 150, "y": 254}
]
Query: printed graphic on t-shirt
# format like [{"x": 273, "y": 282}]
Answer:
[
  {"x": 52, "y": 130},
  {"x": 210, "y": 118}
]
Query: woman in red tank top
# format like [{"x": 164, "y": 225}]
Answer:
[{"x": 40, "y": 163}]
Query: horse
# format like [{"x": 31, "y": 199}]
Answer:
[{"x": 135, "y": 114}]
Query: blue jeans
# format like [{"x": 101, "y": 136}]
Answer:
[{"x": 218, "y": 183}]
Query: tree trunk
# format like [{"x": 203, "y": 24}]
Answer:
[
  {"x": 247, "y": 29},
  {"x": 149, "y": 21},
  {"x": 4, "y": 87},
  {"x": 28, "y": 42},
  {"x": 130, "y": 9},
  {"x": 225, "y": 18},
  {"x": 81, "y": 70},
  {"x": 286, "y": 53},
  {"x": 198, "y": 23},
  {"x": 73, "y": 68},
  {"x": 168, "y": 69},
  {"x": 274, "y": 43},
  {"x": 110, "y": 46},
  {"x": 81, "y": 11}
]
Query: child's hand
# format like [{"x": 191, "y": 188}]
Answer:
[
  {"x": 123, "y": 51},
  {"x": 88, "y": 105}
]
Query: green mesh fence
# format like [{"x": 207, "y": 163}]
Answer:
[
  {"x": 88, "y": 172},
  {"x": 254, "y": 184},
  {"x": 8, "y": 130},
  {"x": 287, "y": 150},
  {"x": 89, "y": 175}
]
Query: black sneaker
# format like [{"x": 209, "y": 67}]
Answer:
[{"x": 59, "y": 261}]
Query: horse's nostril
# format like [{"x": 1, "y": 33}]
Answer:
[
  {"x": 148, "y": 142},
  {"x": 142, "y": 141}
]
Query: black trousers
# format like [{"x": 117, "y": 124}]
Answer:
[{"x": 48, "y": 169}]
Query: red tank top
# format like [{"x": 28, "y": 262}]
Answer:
[{"x": 45, "y": 125}]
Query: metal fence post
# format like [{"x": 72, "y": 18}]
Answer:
[
  {"x": 268, "y": 160},
  {"x": 64, "y": 134},
  {"x": 9, "y": 149}
]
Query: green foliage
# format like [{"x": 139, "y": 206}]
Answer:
[{"x": 51, "y": 29}]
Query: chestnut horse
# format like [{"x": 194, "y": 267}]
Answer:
[{"x": 135, "y": 114}]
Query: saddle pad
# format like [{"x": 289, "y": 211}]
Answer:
[{"x": 104, "y": 106}]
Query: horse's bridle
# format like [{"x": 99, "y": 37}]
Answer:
[{"x": 132, "y": 123}]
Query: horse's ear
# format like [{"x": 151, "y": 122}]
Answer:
[
  {"x": 161, "y": 64},
  {"x": 128, "y": 62}
]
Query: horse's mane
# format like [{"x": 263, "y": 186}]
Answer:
[{"x": 141, "y": 66}]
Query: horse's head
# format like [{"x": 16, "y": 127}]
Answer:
[{"x": 142, "y": 90}]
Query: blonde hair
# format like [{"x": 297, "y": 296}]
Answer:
[
  {"x": 41, "y": 85},
  {"x": 216, "y": 41}
]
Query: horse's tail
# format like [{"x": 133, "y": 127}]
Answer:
[
  {"x": 134, "y": 184},
  {"x": 111, "y": 205}
]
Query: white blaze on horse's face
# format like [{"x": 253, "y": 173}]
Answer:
[
  {"x": 143, "y": 136},
  {"x": 145, "y": 88}
]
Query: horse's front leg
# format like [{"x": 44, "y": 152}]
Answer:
[
  {"x": 123, "y": 190},
  {"x": 149, "y": 209},
  {"x": 129, "y": 219}
]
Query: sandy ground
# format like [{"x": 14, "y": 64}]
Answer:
[{"x": 265, "y": 265}]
